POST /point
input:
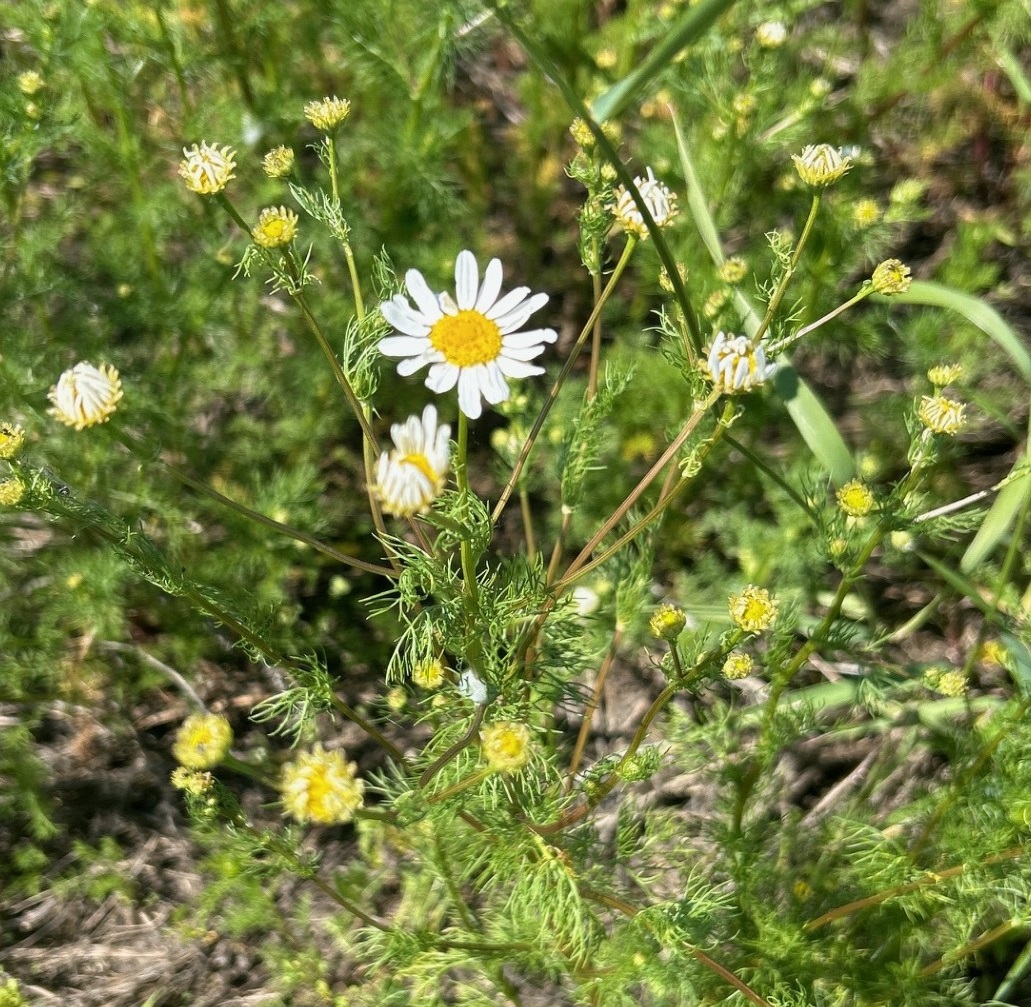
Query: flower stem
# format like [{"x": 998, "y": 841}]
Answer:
[
  {"x": 560, "y": 380},
  {"x": 462, "y": 475},
  {"x": 782, "y": 286}
]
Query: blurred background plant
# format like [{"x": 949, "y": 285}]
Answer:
[{"x": 458, "y": 139}]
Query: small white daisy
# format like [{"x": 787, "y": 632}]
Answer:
[
  {"x": 472, "y": 340},
  {"x": 86, "y": 395},
  {"x": 410, "y": 477},
  {"x": 735, "y": 365},
  {"x": 661, "y": 203}
]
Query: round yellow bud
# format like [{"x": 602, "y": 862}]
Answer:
[
  {"x": 891, "y": 277},
  {"x": 668, "y": 622},
  {"x": 202, "y": 741},
  {"x": 753, "y": 609},
  {"x": 737, "y": 666},
  {"x": 855, "y": 499},
  {"x": 506, "y": 746}
]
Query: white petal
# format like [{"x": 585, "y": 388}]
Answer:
[
  {"x": 512, "y": 320},
  {"x": 467, "y": 278},
  {"x": 413, "y": 364},
  {"x": 517, "y": 368},
  {"x": 398, "y": 312},
  {"x": 508, "y": 302},
  {"x": 469, "y": 393},
  {"x": 522, "y": 352},
  {"x": 423, "y": 296},
  {"x": 403, "y": 346},
  {"x": 529, "y": 338},
  {"x": 441, "y": 378},
  {"x": 493, "y": 383},
  {"x": 491, "y": 286}
]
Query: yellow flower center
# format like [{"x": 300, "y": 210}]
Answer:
[
  {"x": 422, "y": 463},
  {"x": 466, "y": 339},
  {"x": 320, "y": 792}
]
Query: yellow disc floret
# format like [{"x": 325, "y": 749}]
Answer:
[{"x": 466, "y": 339}]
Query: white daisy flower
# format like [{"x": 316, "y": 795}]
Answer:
[
  {"x": 474, "y": 343},
  {"x": 410, "y": 477},
  {"x": 661, "y": 203},
  {"x": 735, "y": 365},
  {"x": 85, "y": 395}
]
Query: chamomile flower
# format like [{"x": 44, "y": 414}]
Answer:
[
  {"x": 735, "y": 365},
  {"x": 753, "y": 609},
  {"x": 505, "y": 746},
  {"x": 203, "y": 741},
  {"x": 322, "y": 787},
  {"x": 277, "y": 226},
  {"x": 410, "y": 477},
  {"x": 472, "y": 340},
  {"x": 207, "y": 168},
  {"x": 821, "y": 164},
  {"x": 86, "y": 395},
  {"x": 661, "y": 203},
  {"x": 942, "y": 415}
]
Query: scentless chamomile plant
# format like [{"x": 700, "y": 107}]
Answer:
[{"x": 501, "y": 852}]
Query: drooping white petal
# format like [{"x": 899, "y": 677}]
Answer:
[
  {"x": 493, "y": 384},
  {"x": 469, "y": 393},
  {"x": 442, "y": 377},
  {"x": 467, "y": 279},
  {"x": 491, "y": 286}
]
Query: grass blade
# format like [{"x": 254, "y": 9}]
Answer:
[
  {"x": 1000, "y": 518},
  {"x": 974, "y": 310},
  {"x": 691, "y": 27}
]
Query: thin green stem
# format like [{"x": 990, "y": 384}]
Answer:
[
  {"x": 560, "y": 380},
  {"x": 453, "y": 750},
  {"x": 649, "y": 477},
  {"x": 370, "y": 729},
  {"x": 356, "y": 287},
  {"x": 785, "y": 280},
  {"x": 462, "y": 475},
  {"x": 592, "y": 377},
  {"x": 666, "y": 497}
]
